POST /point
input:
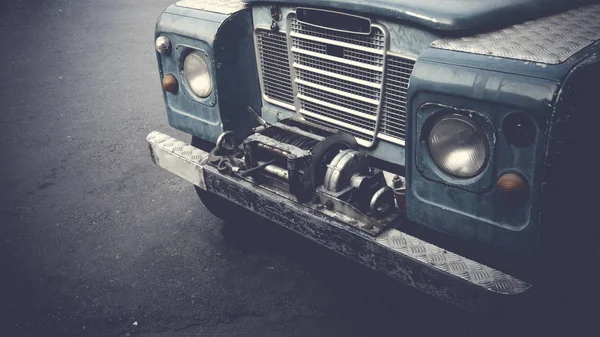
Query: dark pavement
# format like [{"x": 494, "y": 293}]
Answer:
[{"x": 97, "y": 241}]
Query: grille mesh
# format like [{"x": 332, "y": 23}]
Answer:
[
  {"x": 275, "y": 67},
  {"x": 339, "y": 79},
  {"x": 393, "y": 114}
]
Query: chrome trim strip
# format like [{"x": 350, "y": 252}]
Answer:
[
  {"x": 338, "y": 92},
  {"x": 342, "y": 77},
  {"x": 386, "y": 36},
  {"x": 337, "y": 107},
  {"x": 337, "y": 59},
  {"x": 337, "y": 43},
  {"x": 337, "y": 122}
]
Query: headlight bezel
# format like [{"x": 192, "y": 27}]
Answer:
[
  {"x": 183, "y": 52},
  {"x": 477, "y": 132},
  {"x": 194, "y": 59},
  {"x": 427, "y": 115}
]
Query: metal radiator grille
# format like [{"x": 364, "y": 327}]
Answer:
[
  {"x": 393, "y": 118},
  {"x": 274, "y": 65},
  {"x": 323, "y": 61},
  {"x": 337, "y": 79}
]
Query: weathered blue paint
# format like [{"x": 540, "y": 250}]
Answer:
[
  {"x": 185, "y": 113},
  {"x": 470, "y": 208},
  {"x": 226, "y": 43},
  {"x": 448, "y": 15}
]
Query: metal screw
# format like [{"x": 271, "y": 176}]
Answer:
[{"x": 329, "y": 205}]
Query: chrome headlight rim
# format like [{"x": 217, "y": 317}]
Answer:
[
  {"x": 195, "y": 58},
  {"x": 477, "y": 129}
]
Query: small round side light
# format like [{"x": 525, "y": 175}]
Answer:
[
  {"x": 519, "y": 129},
  {"x": 170, "y": 84},
  {"x": 163, "y": 45},
  {"x": 512, "y": 188}
]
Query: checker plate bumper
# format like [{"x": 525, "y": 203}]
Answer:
[{"x": 410, "y": 260}]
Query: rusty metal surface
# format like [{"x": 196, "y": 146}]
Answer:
[
  {"x": 429, "y": 268},
  {"x": 550, "y": 40},
  {"x": 217, "y": 6}
]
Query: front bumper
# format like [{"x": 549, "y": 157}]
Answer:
[{"x": 422, "y": 265}]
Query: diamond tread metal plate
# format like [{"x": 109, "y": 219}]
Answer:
[
  {"x": 217, "y": 6},
  {"x": 451, "y": 263},
  {"x": 177, "y": 157},
  {"x": 549, "y": 40}
]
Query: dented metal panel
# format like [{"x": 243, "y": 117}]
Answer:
[
  {"x": 217, "y": 6},
  {"x": 550, "y": 40},
  {"x": 422, "y": 265}
]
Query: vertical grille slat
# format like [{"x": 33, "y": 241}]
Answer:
[{"x": 339, "y": 79}]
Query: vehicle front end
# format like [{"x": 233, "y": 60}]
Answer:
[{"x": 422, "y": 142}]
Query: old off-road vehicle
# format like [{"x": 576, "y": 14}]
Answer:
[{"x": 448, "y": 144}]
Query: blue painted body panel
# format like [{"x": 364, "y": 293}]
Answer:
[
  {"x": 185, "y": 113},
  {"x": 448, "y": 15},
  {"x": 470, "y": 208},
  {"x": 229, "y": 54}
]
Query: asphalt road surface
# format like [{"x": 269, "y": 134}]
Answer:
[{"x": 97, "y": 241}]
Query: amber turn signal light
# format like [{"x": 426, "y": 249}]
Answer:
[
  {"x": 169, "y": 83},
  {"x": 512, "y": 187}
]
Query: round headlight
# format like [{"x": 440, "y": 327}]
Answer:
[
  {"x": 458, "y": 146},
  {"x": 197, "y": 77}
]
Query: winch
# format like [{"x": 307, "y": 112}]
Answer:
[{"x": 317, "y": 166}]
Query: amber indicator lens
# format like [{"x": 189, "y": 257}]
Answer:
[
  {"x": 169, "y": 83},
  {"x": 519, "y": 129},
  {"x": 512, "y": 187}
]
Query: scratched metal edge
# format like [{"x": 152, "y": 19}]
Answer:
[
  {"x": 341, "y": 239},
  {"x": 549, "y": 40},
  {"x": 217, "y": 6}
]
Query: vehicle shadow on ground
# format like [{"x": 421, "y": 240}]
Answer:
[{"x": 360, "y": 294}]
